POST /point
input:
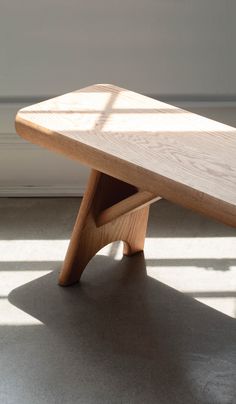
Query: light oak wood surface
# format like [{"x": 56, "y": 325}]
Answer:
[
  {"x": 88, "y": 237},
  {"x": 181, "y": 156}
]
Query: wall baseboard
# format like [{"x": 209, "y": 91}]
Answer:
[
  {"x": 14, "y": 142},
  {"x": 42, "y": 191}
]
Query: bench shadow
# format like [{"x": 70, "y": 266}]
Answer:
[{"x": 146, "y": 341}]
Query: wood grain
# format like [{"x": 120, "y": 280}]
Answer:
[
  {"x": 128, "y": 205},
  {"x": 181, "y": 156},
  {"x": 88, "y": 238}
]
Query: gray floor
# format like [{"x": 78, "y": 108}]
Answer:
[{"x": 127, "y": 333}]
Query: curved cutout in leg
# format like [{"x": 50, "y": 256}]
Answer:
[{"x": 88, "y": 237}]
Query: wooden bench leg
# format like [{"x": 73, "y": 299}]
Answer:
[{"x": 111, "y": 210}]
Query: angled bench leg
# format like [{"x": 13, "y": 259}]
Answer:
[{"x": 111, "y": 210}]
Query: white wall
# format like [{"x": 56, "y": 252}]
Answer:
[
  {"x": 181, "y": 49},
  {"x": 152, "y": 46}
]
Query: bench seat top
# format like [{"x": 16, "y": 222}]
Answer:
[{"x": 183, "y": 157}]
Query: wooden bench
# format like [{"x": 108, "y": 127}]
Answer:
[{"x": 139, "y": 150}]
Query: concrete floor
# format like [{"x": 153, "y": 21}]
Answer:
[{"x": 127, "y": 333}]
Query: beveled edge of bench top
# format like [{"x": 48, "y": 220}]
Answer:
[{"x": 186, "y": 158}]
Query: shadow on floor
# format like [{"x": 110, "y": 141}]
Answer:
[{"x": 123, "y": 337}]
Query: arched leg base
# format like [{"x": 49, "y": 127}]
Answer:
[{"x": 111, "y": 210}]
